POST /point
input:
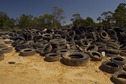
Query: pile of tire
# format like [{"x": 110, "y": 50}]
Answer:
[
  {"x": 92, "y": 41},
  {"x": 73, "y": 46}
]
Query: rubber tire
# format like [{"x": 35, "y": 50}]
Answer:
[
  {"x": 8, "y": 41},
  {"x": 112, "y": 51},
  {"x": 62, "y": 51},
  {"x": 98, "y": 56},
  {"x": 85, "y": 42},
  {"x": 113, "y": 45},
  {"x": 81, "y": 61},
  {"x": 38, "y": 45},
  {"x": 2, "y": 45},
  {"x": 93, "y": 48},
  {"x": 111, "y": 68},
  {"x": 27, "y": 52},
  {"x": 44, "y": 51},
  {"x": 58, "y": 41},
  {"x": 64, "y": 46},
  {"x": 1, "y": 56},
  {"x": 118, "y": 59},
  {"x": 6, "y": 49},
  {"x": 112, "y": 32},
  {"x": 104, "y": 34},
  {"x": 105, "y": 37},
  {"x": 117, "y": 79},
  {"x": 47, "y": 36},
  {"x": 39, "y": 50},
  {"x": 22, "y": 46},
  {"x": 51, "y": 57}
]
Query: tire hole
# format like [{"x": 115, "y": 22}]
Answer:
[
  {"x": 112, "y": 64},
  {"x": 77, "y": 56},
  {"x": 122, "y": 76},
  {"x": 118, "y": 59}
]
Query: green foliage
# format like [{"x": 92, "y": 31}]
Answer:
[
  {"x": 114, "y": 19},
  {"x": 106, "y": 18},
  {"x": 45, "y": 21},
  {"x": 89, "y": 22},
  {"x": 78, "y": 20},
  {"x": 6, "y": 22},
  {"x": 120, "y": 15},
  {"x": 25, "y": 21}
]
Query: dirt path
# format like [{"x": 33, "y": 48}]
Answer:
[{"x": 34, "y": 70}]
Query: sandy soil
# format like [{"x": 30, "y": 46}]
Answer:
[{"x": 34, "y": 70}]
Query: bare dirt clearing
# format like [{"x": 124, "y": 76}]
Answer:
[{"x": 34, "y": 70}]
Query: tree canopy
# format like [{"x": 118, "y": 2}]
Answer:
[{"x": 57, "y": 18}]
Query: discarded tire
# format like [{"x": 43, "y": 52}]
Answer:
[
  {"x": 51, "y": 57},
  {"x": 95, "y": 56},
  {"x": 8, "y": 41},
  {"x": 39, "y": 50},
  {"x": 6, "y": 49},
  {"x": 46, "y": 49},
  {"x": 103, "y": 36},
  {"x": 118, "y": 59},
  {"x": 75, "y": 58},
  {"x": 2, "y": 45},
  {"x": 47, "y": 36},
  {"x": 90, "y": 48},
  {"x": 1, "y": 56},
  {"x": 27, "y": 52},
  {"x": 110, "y": 67},
  {"x": 119, "y": 77},
  {"x": 62, "y": 51},
  {"x": 85, "y": 42}
]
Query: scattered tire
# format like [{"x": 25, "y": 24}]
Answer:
[
  {"x": 51, "y": 57},
  {"x": 27, "y": 52},
  {"x": 6, "y": 49},
  {"x": 103, "y": 36},
  {"x": 113, "y": 45},
  {"x": 110, "y": 67},
  {"x": 1, "y": 56},
  {"x": 62, "y": 51},
  {"x": 58, "y": 41},
  {"x": 112, "y": 32},
  {"x": 119, "y": 77},
  {"x": 21, "y": 46},
  {"x": 112, "y": 51},
  {"x": 85, "y": 42},
  {"x": 8, "y": 41},
  {"x": 90, "y": 48},
  {"x": 95, "y": 56},
  {"x": 47, "y": 36},
  {"x": 39, "y": 50},
  {"x": 38, "y": 45},
  {"x": 118, "y": 59},
  {"x": 75, "y": 59},
  {"x": 46, "y": 49},
  {"x": 64, "y": 46},
  {"x": 2, "y": 45}
]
